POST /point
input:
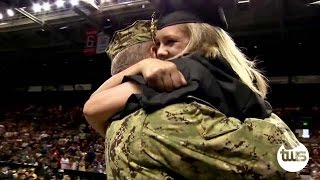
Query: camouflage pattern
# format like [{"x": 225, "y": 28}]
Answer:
[
  {"x": 138, "y": 32},
  {"x": 195, "y": 141}
]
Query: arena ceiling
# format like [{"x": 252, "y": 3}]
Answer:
[
  {"x": 264, "y": 28},
  {"x": 65, "y": 27}
]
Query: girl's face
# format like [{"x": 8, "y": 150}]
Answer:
[{"x": 171, "y": 41}]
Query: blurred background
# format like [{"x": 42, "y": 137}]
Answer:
[{"x": 52, "y": 58}]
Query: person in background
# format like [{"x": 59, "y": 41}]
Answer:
[
  {"x": 74, "y": 163},
  {"x": 65, "y": 162},
  {"x": 82, "y": 164}
]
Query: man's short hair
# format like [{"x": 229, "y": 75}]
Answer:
[{"x": 130, "y": 56}]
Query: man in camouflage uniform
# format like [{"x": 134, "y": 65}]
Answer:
[{"x": 192, "y": 140}]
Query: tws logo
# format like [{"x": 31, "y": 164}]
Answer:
[{"x": 293, "y": 160}]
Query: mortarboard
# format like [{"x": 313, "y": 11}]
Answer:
[{"x": 173, "y": 12}]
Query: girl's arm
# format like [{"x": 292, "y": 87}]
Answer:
[
  {"x": 103, "y": 105},
  {"x": 117, "y": 79}
]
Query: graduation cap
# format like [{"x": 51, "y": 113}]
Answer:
[{"x": 172, "y": 12}]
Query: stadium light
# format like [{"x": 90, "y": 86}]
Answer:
[
  {"x": 36, "y": 7},
  {"x": 60, "y": 3},
  {"x": 315, "y": 3},
  {"x": 243, "y": 1},
  {"x": 92, "y": 4},
  {"x": 74, "y": 2},
  {"x": 10, "y": 12},
  {"x": 1, "y": 16},
  {"x": 46, "y": 6}
]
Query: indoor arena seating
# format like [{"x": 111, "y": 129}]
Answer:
[
  {"x": 55, "y": 141},
  {"x": 51, "y": 140}
]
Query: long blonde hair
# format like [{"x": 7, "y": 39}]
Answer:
[{"x": 215, "y": 42}]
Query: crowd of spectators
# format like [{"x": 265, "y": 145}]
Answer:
[
  {"x": 55, "y": 138},
  {"x": 52, "y": 137}
]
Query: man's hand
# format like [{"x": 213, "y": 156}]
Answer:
[{"x": 161, "y": 75}]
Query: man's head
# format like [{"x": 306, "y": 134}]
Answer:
[{"x": 129, "y": 46}]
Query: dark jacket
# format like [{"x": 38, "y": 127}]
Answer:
[{"x": 211, "y": 80}]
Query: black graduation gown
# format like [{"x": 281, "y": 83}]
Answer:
[{"x": 212, "y": 80}]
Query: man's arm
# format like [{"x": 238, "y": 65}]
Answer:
[{"x": 103, "y": 105}]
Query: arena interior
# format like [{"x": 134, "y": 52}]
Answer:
[{"x": 52, "y": 57}]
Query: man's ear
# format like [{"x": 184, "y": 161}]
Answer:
[{"x": 153, "y": 51}]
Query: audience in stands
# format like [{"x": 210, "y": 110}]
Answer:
[
  {"x": 53, "y": 137},
  {"x": 57, "y": 137}
]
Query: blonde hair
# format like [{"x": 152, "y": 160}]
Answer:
[{"x": 214, "y": 42}]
